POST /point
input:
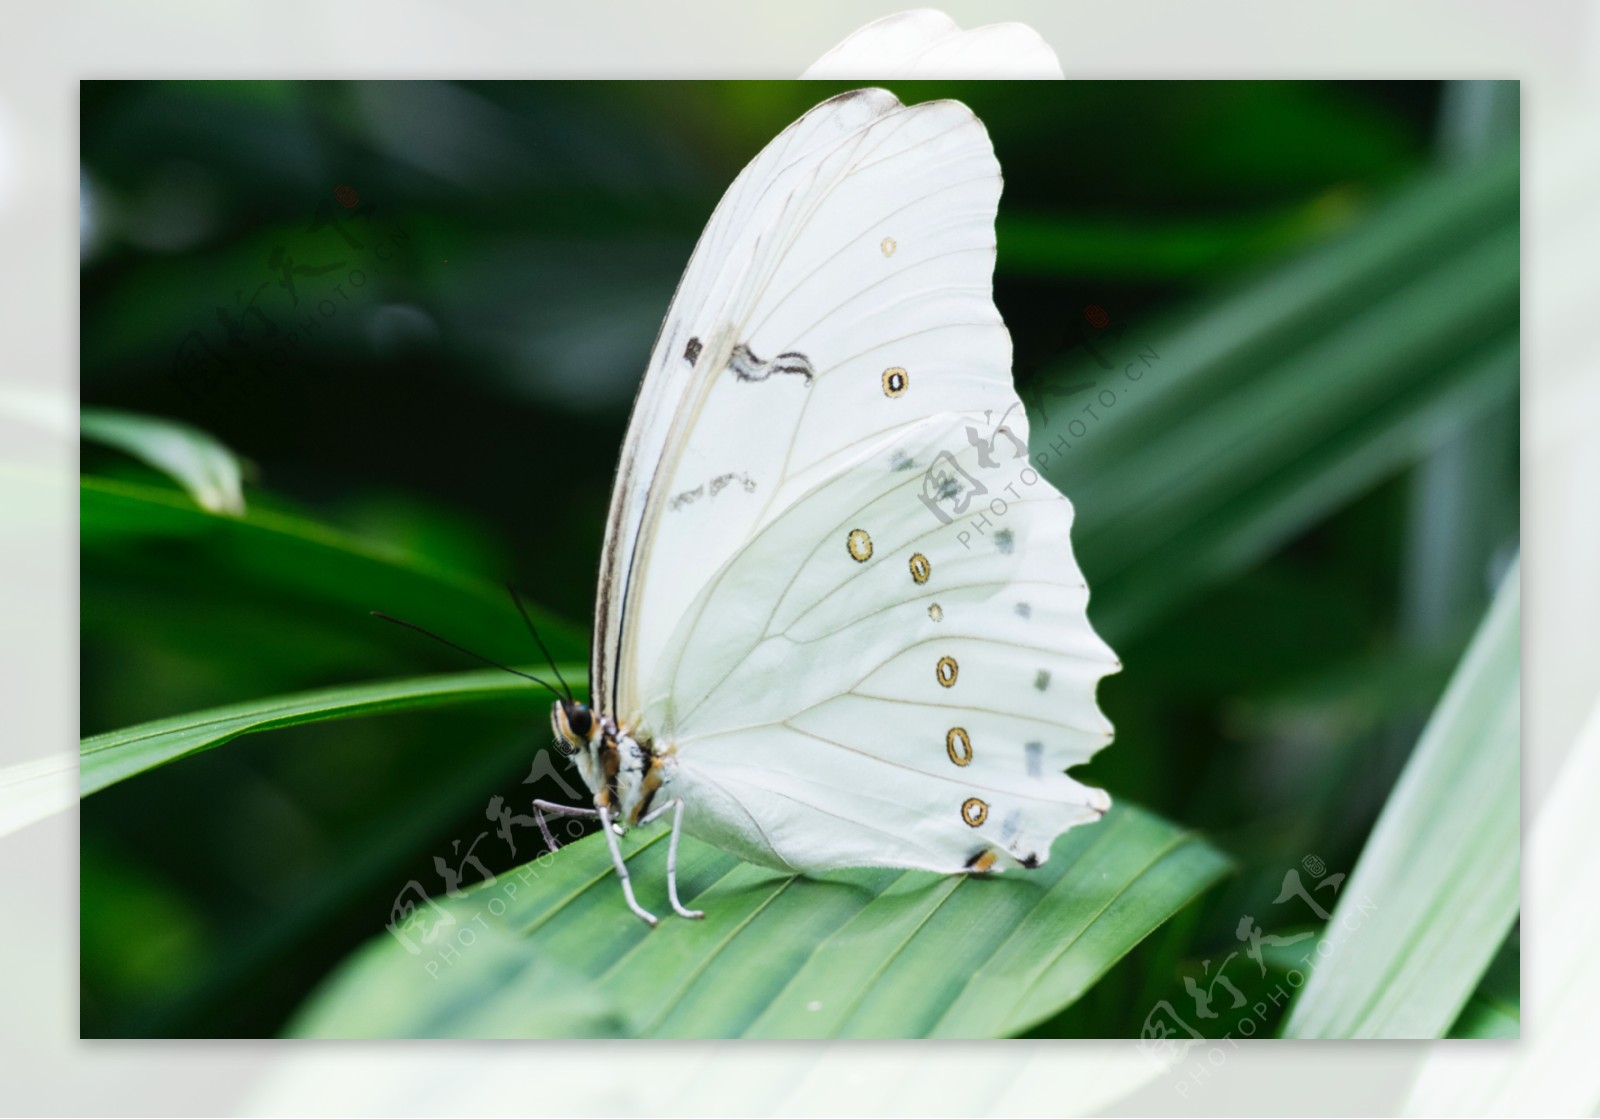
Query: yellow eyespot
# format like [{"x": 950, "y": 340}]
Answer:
[
  {"x": 888, "y": 246},
  {"x": 974, "y": 812},
  {"x": 860, "y": 545},
  {"x": 936, "y": 612},
  {"x": 895, "y": 380},
  {"x": 947, "y": 671},
  {"x": 920, "y": 568},
  {"x": 958, "y": 744}
]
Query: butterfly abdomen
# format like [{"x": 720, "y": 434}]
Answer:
[
  {"x": 649, "y": 785},
  {"x": 623, "y": 773}
]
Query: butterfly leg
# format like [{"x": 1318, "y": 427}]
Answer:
[
  {"x": 540, "y": 807},
  {"x": 622, "y": 867},
  {"x": 675, "y": 806}
]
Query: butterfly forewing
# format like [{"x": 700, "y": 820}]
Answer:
[{"x": 715, "y": 289}]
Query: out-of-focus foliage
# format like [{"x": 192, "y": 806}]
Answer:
[
  {"x": 421, "y": 310},
  {"x": 210, "y": 473}
]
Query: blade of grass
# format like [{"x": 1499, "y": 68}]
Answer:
[
  {"x": 1248, "y": 524},
  {"x": 108, "y": 758},
  {"x": 1495, "y": 1008},
  {"x": 1551, "y": 1071},
  {"x": 1336, "y": 366},
  {"x": 1333, "y": 382},
  {"x": 1243, "y": 333},
  {"x": 1436, "y": 888},
  {"x": 279, "y": 553},
  {"x": 208, "y": 471}
]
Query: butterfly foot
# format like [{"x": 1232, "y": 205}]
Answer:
[
  {"x": 692, "y": 914},
  {"x": 646, "y": 916}
]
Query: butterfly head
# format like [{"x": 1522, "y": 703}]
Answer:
[{"x": 574, "y": 725}]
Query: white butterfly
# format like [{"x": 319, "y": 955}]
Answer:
[
  {"x": 839, "y": 622},
  {"x": 923, "y": 43}
]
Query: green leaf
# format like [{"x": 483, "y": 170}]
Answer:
[
  {"x": 1487, "y": 1015},
  {"x": 309, "y": 562},
  {"x": 1484, "y": 1017},
  {"x": 108, "y": 758},
  {"x": 1245, "y": 524},
  {"x": 1495, "y": 1008},
  {"x": 211, "y": 473},
  {"x": 857, "y": 953},
  {"x": 1436, "y": 888},
  {"x": 1552, "y": 1070}
]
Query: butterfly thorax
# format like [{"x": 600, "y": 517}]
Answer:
[{"x": 622, "y": 771}]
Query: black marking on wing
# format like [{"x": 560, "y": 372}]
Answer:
[
  {"x": 686, "y": 497},
  {"x": 711, "y": 489},
  {"x": 691, "y": 352},
  {"x": 748, "y": 367},
  {"x": 1031, "y": 861},
  {"x": 721, "y": 481}
]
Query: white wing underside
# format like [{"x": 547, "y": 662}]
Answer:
[
  {"x": 833, "y": 364},
  {"x": 927, "y": 44}
]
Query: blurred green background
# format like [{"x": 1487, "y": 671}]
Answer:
[{"x": 420, "y": 311}]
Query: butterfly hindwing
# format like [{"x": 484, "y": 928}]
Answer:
[{"x": 875, "y": 664}]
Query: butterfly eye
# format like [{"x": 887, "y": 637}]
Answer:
[
  {"x": 571, "y": 723},
  {"x": 578, "y": 719}
]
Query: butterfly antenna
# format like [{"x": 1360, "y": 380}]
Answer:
[
  {"x": 523, "y": 610},
  {"x": 469, "y": 652}
]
